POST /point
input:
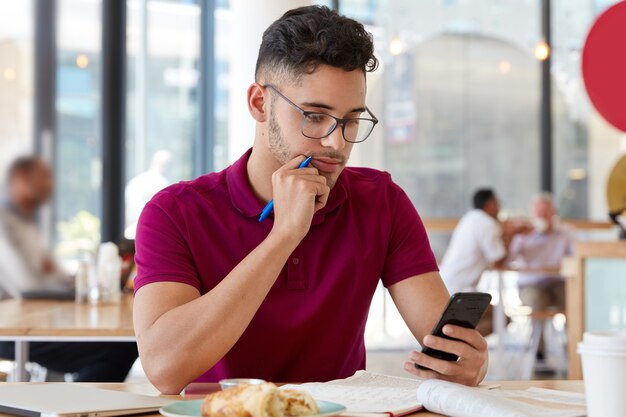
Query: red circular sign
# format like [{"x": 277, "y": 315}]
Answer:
[{"x": 604, "y": 65}]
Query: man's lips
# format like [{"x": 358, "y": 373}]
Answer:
[{"x": 326, "y": 164}]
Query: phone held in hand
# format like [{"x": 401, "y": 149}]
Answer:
[{"x": 464, "y": 309}]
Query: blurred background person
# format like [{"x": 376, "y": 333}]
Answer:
[
  {"x": 478, "y": 242},
  {"x": 27, "y": 265},
  {"x": 540, "y": 253},
  {"x": 543, "y": 249},
  {"x": 143, "y": 187}
]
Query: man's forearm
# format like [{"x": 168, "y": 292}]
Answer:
[{"x": 206, "y": 328}]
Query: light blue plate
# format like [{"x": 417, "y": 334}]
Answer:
[{"x": 193, "y": 408}]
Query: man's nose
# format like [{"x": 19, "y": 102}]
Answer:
[{"x": 335, "y": 139}]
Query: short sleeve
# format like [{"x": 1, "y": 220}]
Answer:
[
  {"x": 409, "y": 252},
  {"x": 490, "y": 241},
  {"x": 162, "y": 252}
]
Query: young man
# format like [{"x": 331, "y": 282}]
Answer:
[{"x": 220, "y": 294}]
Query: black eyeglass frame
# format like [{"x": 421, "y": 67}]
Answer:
[{"x": 338, "y": 121}]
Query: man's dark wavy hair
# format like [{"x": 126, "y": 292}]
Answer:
[{"x": 306, "y": 37}]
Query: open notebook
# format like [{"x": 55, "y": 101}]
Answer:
[{"x": 367, "y": 393}]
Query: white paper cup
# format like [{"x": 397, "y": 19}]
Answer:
[{"x": 603, "y": 357}]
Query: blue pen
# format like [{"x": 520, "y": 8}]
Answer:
[{"x": 270, "y": 206}]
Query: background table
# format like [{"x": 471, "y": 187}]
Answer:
[
  {"x": 147, "y": 389},
  {"x": 24, "y": 321}
]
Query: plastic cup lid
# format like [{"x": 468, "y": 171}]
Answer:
[
  {"x": 605, "y": 340},
  {"x": 605, "y": 353}
]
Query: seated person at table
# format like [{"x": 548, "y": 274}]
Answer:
[
  {"x": 542, "y": 249},
  {"x": 219, "y": 294},
  {"x": 478, "y": 242},
  {"x": 27, "y": 265}
]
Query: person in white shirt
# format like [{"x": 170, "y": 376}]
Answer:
[
  {"x": 478, "y": 242},
  {"x": 143, "y": 187},
  {"x": 26, "y": 264}
]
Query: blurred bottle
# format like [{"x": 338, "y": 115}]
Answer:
[
  {"x": 109, "y": 269},
  {"x": 82, "y": 280}
]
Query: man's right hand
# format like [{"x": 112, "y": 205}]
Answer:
[{"x": 298, "y": 194}]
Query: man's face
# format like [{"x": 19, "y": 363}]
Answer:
[
  {"x": 328, "y": 90},
  {"x": 544, "y": 210},
  {"x": 36, "y": 185},
  {"x": 492, "y": 207}
]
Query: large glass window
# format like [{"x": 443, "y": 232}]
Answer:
[
  {"x": 460, "y": 98},
  {"x": 78, "y": 155},
  {"x": 163, "y": 46},
  {"x": 16, "y": 81},
  {"x": 585, "y": 145}
]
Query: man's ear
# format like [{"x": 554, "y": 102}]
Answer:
[{"x": 258, "y": 102}]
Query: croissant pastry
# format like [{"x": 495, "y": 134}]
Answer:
[{"x": 264, "y": 400}]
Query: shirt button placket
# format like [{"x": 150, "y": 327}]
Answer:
[{"x": 295, "y": 273}]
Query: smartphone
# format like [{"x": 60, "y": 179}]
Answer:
[{"x": 464, "y": 309}]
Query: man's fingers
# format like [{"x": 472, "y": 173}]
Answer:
[
  {"x": 459, "y": 348},
  {"x": 293, "y": 164},
  {"x": 322, "y": 196},
  {"x": 304, "y": 171},
  {"x": 311, "y": 177},
  {"x": 437, "y": 365},
  {"x": 420, "y": 373},
  {"x": 469, "y": 336}
]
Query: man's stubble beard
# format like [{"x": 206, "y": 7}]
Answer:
[{"x": 281, "y": 151}]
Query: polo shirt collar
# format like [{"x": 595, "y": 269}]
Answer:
[{"x": 248, "y": 204}]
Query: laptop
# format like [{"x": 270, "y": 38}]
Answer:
[
  {"x": 51, "y": 291},
  {"x": 71, "y": 400},
  {"x": 59, "y": 294}
]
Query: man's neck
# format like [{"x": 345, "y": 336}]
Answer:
[{"x": 261, "y": 165}]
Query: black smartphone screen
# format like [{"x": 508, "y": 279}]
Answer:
[{"x": 464, "y": 309}]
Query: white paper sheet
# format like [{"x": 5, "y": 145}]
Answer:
[{"x": 367, "y": 392}]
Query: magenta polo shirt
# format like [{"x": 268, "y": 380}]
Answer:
[{"x": 311, "y": 325}]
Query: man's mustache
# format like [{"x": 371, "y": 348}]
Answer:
[{"x": 330, "y": 155}]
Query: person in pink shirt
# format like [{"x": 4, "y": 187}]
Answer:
[
  {"x": 539, "y": 254},
  {"x": 221, "y": 294}
]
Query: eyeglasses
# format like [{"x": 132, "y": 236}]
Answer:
[{"x": 320, "y": 125}]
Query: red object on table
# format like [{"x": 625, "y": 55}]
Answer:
[{"x": 604, "y": 65}]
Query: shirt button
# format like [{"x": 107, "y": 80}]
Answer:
[{"x": 296, "y": 261}]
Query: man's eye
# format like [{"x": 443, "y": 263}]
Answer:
[{"x": 316, "y": 118}]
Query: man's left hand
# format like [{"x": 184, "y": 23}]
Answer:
[{"x": 469, "y": 346}]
